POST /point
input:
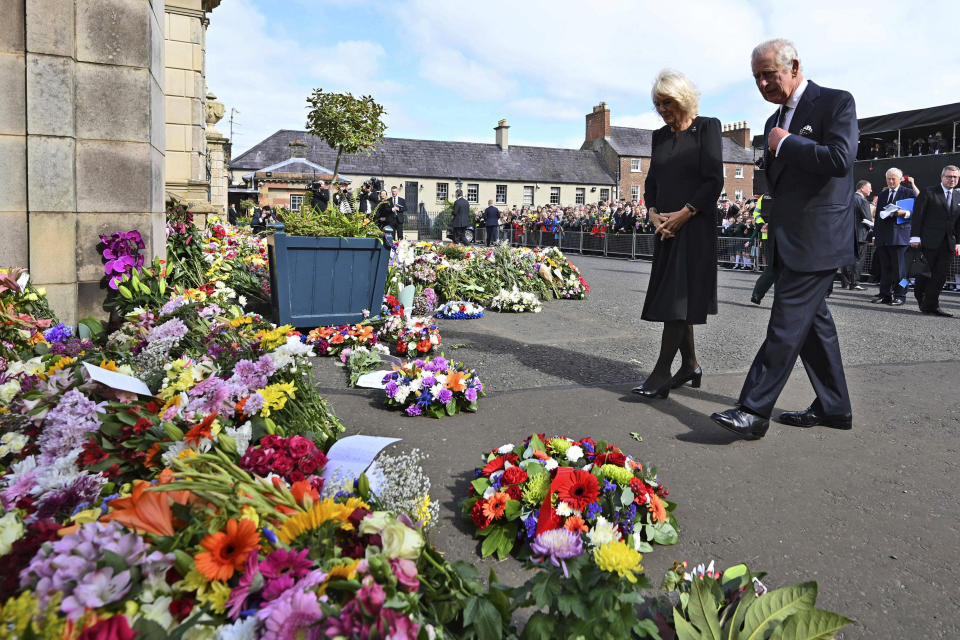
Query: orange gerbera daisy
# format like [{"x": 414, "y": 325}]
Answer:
[
  {"x": 495, "y": 506},
  {"x": 227, "y": 551},
  {"x": 657, "y": 509},
  {"x": 456, "y": 381},
  {"x": 577, "y": 524},
  {"x": 336, "y": 339}
]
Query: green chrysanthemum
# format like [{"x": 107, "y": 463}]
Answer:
[
  {"x": 560, "y": 445},
  {"x": 617, "y": 474},
  {"x": 536, "y": 489}
]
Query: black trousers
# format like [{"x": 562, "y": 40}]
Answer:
[
  {"x": 928, "y": 288},
  {"x": 460, "y": 235},
  {"x": 893, "y": 269},
  {"x": 800, "y": 325},
  {"x": 493, "y": 234},
  {"x": 850, "y": 274}
]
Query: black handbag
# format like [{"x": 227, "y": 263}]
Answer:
[{"x": 916, "y": 263}]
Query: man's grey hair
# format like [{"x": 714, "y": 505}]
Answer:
[
  {"x": 784, "y": 52},
  {"x": 861, "y": 184},
  {"x": 895, "y": 171},
  {"x": 949, "y": 167}
]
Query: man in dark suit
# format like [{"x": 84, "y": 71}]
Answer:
[
  {"x": 862, "y": 221},
  {"x": 399, "y": 207},
  {"x": 811, "y": 147},
  {"x": 891, "y": 235},
  {"x": 491, "y": 222},
  {"x": 936, "y": 231},
  {"x": 461, "y": 218}
]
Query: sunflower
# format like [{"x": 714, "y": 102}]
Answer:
[
  {"x": 495, "y": 506},
  {"x": 345, "y": 571},
  {"x": 578, "y": 489},
  {"x": 321, "y": 512},
  {"x": 226, "y": 552}
]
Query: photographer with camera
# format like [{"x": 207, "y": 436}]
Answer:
[
  {"x": 321, "y": 195},
  {"x": 367, "y": 198}
]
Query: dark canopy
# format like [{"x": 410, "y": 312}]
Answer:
[{"x": 942, "y": 115}]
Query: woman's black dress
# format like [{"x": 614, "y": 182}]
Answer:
[{"x": 687, "y": 168}]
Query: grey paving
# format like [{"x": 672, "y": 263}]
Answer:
[{"x": 872, "y": 514}]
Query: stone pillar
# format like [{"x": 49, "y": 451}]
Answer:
[
  {"x": 185, "y": 45},
  {"x": 216, "y": 156},
  {"x": 81, "y": 139}
]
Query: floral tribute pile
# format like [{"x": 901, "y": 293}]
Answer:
[
  {"x": 198, "y": 511},
  {"x": 444, "y": 273},
  {"x": 434, "y": 387},
  {"x": 459, "y": 310},
  {"x": 516, "y": 301},
  {"x": 579, "y": 494}
]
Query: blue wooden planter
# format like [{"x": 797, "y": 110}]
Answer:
[{"x": 318, "y": 282}]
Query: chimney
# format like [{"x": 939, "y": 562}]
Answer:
[
  {"x": 297, "y": 149},
  {"x": 739, "y": 132},
  {"x": 501, "y": 130},
  {"x": 598, "y": 122}
]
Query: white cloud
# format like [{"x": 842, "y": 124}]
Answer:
[{"x": 649, "y": 120}]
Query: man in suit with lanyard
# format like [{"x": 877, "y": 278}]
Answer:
[
  {"x": 811, "y": 147},
  {"x": 891, "y": 235},
  {"x": 936, "y": 230}
]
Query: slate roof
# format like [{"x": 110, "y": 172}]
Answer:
[
  {"x": 630, "y": 141},
  {"x": 438, "y": 159}
]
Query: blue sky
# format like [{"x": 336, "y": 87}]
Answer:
[{"x": 450, "y": 70}]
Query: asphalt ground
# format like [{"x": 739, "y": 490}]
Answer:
[{"x": 871, "y": 514}]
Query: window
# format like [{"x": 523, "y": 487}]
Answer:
[
  {"x": 554, "y": 195},
  {"x": 738, "y": 194},
  {"x": 296, "y": 202},
  {"x": 473, "y": 193},
  {"x": 443, "y": 191},
  {"x": 501, "y": 194},
  {"x": 635, "y": 165},
  {"x": 581, "y": 197},
  {"x": 528, "y": 195},
  {"x": 738, "y": 173},
  {"x": 635, "y": 192},
  {"x": 604, "y": 194}
]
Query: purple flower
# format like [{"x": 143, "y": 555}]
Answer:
[
  {"x": 172, "y": 305},
  {"x": 445, "y": 396},
  {"x": 558, "y": 545},
  {"x": 429, "y": 381},
  {"x": 470, "y": 394},
  {"x": 607, "y": 485},
  {"x": 172, "y": 329},
  {"x": 440, "y": 362},
  {"x": 391, "y": 389},
  {"x": 67, "y": 424},
  {"x": 414, "y": 410},
  {"x": 593, "y": 509},
  {"x": 529, "y": 523},
  {"x": 58, "y": 333},
  {"x": 253, "y": 405}
]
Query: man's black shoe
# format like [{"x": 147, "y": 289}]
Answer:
[
  {"x": 938, "y": 312},
  {"x": 896, "y": 302},
  {"x": 880, "y": 299},
  {"x": 810, "y": 418},
  {"x": 755, "y": 300},
  {"x": 746, "y": 425}
]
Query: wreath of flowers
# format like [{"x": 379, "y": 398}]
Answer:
[
  {"x": 460, "y": 310},
  {"x": 522, "y": 494},
  {"x": 410, "y": 336},
  {"x": 516, "y": 301},
  {"x": 433, "y": 386},
  {"x": 330, "y": 341}
]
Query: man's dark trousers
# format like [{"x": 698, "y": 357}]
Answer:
[
  {"x": 800, "y": 325},
  {"x": 493, "y": 234},
  {"x": 893, "y": 269},
  {"x": 929, "y": 288}
]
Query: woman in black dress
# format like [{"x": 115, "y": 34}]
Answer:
[{"x": 680, "y": 192}]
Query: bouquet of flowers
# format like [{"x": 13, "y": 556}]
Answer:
[
  {"x": 437, "y": 387},
  {"x": 462, "y": 310},
  {"x": 331, "y": 341},
  {"x": 516, "y": 301},
  {"x": 413, "y": 336},
  {"x": 293, "y": 459},
  {"x": 559, "y": 486}
]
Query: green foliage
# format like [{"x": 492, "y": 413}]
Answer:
[
  {"x": 346, "y": 123},
  {"x": 310, "y": 221}
]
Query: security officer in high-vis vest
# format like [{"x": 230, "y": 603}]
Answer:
[{"x": 769, "y": 274}]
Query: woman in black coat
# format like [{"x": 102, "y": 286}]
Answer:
[{"x": 681, "y": 191}]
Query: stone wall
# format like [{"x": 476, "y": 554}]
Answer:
[{"x": 81, "y": 139}]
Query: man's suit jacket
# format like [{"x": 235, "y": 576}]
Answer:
[
  {"x": 887, "y": 232},
  {"x": 461, "y": 213},
  {"x": 812, "y": 181},
  {"x": 862, "y": 208},
  {"x": 932, "y": 221},
  {"x": 401, "y": 212},
  {"x": 491, "y": 216}
]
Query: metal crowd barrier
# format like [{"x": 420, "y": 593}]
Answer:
[{"x": 633, "y": 246}]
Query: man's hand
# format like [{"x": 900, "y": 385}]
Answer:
[
  {"x": 901, "y": 213},
  {"x": 874, "y": 201},
  {"x": 956, "y": 250},
  {"x": 776, "y": 135}
]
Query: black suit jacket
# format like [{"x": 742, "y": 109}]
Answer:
[
  {"x": 932, "y": 221},
  {"x": 812, "y": 181},
  {"x": 461, "y": 213},
  {"x": 862, "y": 214},
  {"x": 401, "y": 212},
  {"x": 491, "y": 216}
]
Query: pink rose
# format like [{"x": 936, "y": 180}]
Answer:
[{"x": 406, "y": 573}]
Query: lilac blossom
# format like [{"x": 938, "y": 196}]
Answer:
[
  {"x": 67, "y": 424},
  {"x": 172, "y": 329}
]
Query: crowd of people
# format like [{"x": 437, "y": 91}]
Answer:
[{"x": 932, "y": 144}]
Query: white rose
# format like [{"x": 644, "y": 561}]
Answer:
[
  {"x": 9, "y": 389},
  {"x": 400, "y": 541},
  {"x": 574, "y": 453}
]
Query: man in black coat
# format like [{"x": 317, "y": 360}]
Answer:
[
  {"x": 399, "y": 207},
  {"x": 491, "y": 222},
  {"x": 936, "y": 230},
  {"x": 811, "y": 147},
  {"x": 461, "y": 218},
  {"x": 862, "y": 221},
  {"x": 321, "y": 195}
]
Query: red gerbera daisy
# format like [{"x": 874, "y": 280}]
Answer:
[{"x": 578, "y": 489}]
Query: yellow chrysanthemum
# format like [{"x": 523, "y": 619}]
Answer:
[
  {"x": 337, "y": 572},
  {"x": 275, "y": 397},
  {"x": 216, "y": 596},
  {"x": 319, "y": 513},
  {"x": 242, "y": 320},
  {"x": 275, "y": 337},
  {"x": 619, "y": 558}
]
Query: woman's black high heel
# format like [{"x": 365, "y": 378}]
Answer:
[
  {"x": 694, "y": 378},
  {"x": 660, "y": 392}
]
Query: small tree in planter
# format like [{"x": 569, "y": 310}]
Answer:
[{"x": 346, "y": 123}]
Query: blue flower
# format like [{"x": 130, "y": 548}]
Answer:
[
  {"x": 530, "y": 525},
  {"x": 608, "y": 486}
]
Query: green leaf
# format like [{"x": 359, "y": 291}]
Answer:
[
  {"x": 664, "y": 533},
  {"x": 493, "y": 541},
  {"x": 702, "y": 608},
  {"x": 735, "y": 572},
  {"x": 626, "y": 498},
  {"x": 484, "y": 617},
  {"x": 815, "y": 624},
  {"x": 768, "y": 610},
  {"x": 685, "y": 630},
  {"x": 451, "y": 407},
  {"x": 480, "y": 485},
  {"x": 512, "y": 509},
  {"x": 149, "y": 630},
  {"x": 540, "y": 626}
]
